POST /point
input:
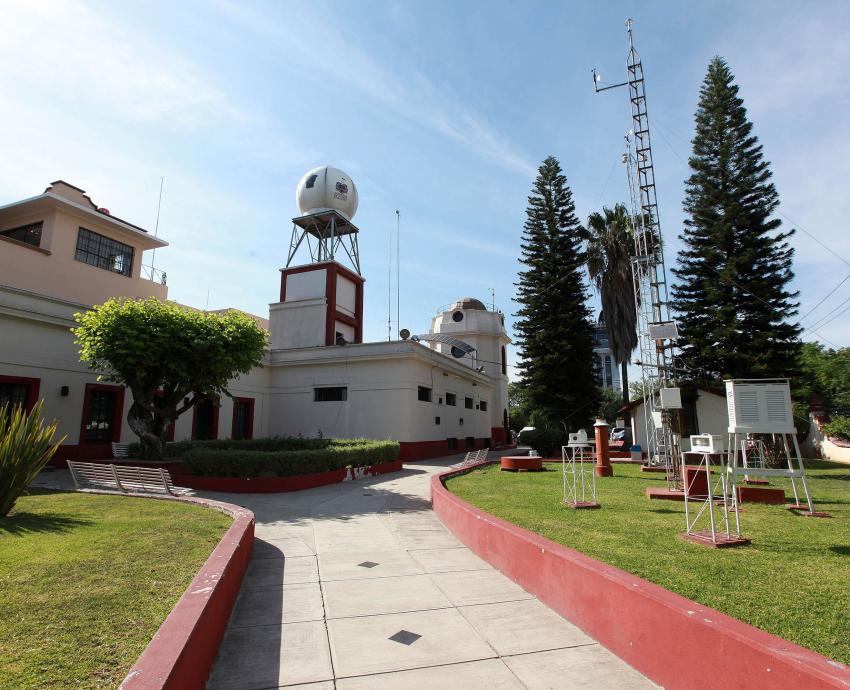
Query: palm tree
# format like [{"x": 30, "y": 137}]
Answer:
[{"x": 609, "y": 250}]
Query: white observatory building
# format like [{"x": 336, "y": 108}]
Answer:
[{"x": 438, "y": 392}]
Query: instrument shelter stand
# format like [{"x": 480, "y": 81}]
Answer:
[
  {"x": 578, "y": 460},
  {"x": 703, "y": 502}
]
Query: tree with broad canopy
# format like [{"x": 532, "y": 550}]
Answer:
[{"x": 169, "y": 356}]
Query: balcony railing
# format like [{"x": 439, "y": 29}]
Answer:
[{"x": 154, "y": 274}]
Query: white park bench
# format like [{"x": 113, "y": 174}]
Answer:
[
  {"x": 473, "y": 457},
  {"x": 121, "y": 478},
  {"x": 120, "y": 450}
]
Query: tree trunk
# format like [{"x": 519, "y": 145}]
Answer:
[
  {"x": 149, "y": 428},
  {"x": 624, "y": 382}
]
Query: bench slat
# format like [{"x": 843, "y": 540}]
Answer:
[{"x": 123, "y": 478}]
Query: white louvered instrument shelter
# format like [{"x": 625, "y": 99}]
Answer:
[{"x": 760, "y": 407}]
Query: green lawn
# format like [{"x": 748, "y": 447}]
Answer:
[
  {"x": 86, "y": 580},
  {"x": 793, "y": 581}
]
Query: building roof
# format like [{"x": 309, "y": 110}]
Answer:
[
  {"x": 470, "y": 303},
  {"x": 705, "y": 389},
  {"x": 60, "y": 193}
]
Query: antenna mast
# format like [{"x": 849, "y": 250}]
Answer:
[
  {"x": 649, "y": 277},
  {"x": 156, "y": 226},
  {"x": 389, "y": 285},
  {"x": 398, "y": 271}
]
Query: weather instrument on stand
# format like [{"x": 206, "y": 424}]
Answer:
[{"x": 656, "y": 331}]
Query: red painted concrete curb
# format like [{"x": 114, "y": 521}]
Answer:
[
  {"x": 672, "y": 640},
  {"x": 181, "y": 654},
  {"x": 273, "y": 485}
]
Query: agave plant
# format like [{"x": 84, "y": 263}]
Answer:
[{"x": 25, "y": 447}]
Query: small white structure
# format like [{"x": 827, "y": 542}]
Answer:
[
  {"x": 758, "y": 409},
  {"x": 703, "y": 411}
]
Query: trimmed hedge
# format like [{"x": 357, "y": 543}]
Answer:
[
  {"x": 178, "y": 449},
  {"x": 332, "y": 454}
]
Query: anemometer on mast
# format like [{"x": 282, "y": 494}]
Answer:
[{"x": 656, "y": 331}]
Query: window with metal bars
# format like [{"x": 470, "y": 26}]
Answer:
[
  {"x": 332, "y": 394},
  {"x": 13, "y": 394},
  {"x": 99, "y": 416},
  {"x": 28, "y": 234},
  {"x": 104, "y": 252}
]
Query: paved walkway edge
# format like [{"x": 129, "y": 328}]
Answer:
[
  {"x": 670, "y": 639},
  {"x": 182, "y": 652}
]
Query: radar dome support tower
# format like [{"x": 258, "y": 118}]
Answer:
[{"x": 655, "y": 329}]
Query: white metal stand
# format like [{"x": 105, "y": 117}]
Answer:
[
  {"x": 578, "y": 460},
  {"x": 705, "y": 505},
  {"x": 739, "y": 465}
]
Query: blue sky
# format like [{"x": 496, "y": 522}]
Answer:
[{"x": 443, "y": 110}]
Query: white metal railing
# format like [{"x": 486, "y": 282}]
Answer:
[{"x": 153, "y": 274}]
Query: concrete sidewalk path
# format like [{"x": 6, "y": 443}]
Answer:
[{"x": 358, "y": 586}]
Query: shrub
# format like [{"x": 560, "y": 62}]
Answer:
[
  {"x": 25, "y": 447},
  {"x": 336, "y": 454},
  {"x": 838, "y": 428},
  {"x": 547, "y": 442},
  {"x": 180, "y": 448}
]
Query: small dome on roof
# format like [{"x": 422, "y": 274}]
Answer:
[{"x": 469, "y": 303}]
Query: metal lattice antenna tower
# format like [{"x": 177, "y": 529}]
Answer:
[{"x": 648, "y": 272}]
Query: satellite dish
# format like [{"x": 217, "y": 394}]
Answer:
[{"x": 404, "y": 333}]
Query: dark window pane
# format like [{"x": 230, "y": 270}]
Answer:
[
  {"x": 204, "y": 420},
  {"x": 103, "y": 252},
  {"x": 30, "y": 234},
  {"x": 451, "y": 399},
  {"x": 99, "y": 416},
  {"x": 13, "y": 394},
  {"x": 467, "y": 403},
  {"x": 335, "y": 394},
  {"x": 241, "y": 419},
  {"x": 424, "y": 394},
  {"x": 482, "y": 406},
  {"x": 470, "y": 442},
  {"x": 451, "y": 443}
]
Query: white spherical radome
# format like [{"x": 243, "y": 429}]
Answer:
[{"x": 326, "y": 188}]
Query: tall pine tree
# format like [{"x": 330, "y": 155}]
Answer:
[
  {"x": 555, "y": 335},
  {"x": 735, "y": 312}
]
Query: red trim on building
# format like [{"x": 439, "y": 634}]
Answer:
[
  {"x": 332, "y": 313},
  {"x": 499, "y": 435},
  {"x": 250, "y": 424},
  {"x": 33, "y": 388},
  {"x": 425, "y": 450},
  {"x": 117, "y": 414},
  {"x": 637, "y": 620}
]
